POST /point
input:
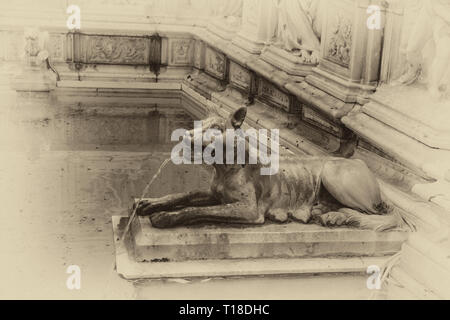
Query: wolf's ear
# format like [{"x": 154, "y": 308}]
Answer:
[{"x": 237, "y": 118}]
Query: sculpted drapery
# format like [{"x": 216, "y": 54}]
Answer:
[
  {"x": 431, "y": 26},
  {"x": 229, "y": 8},
  {"x": 296, "y": 26}
]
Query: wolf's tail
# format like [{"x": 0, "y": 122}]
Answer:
[{"x": 389, "y": 218}]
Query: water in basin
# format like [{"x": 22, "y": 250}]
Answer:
[{"x": 63, "y": 177}]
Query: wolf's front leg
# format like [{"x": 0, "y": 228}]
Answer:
[
  {"x": 175, "y": 202},
  {"x": 236, "y": 213}
]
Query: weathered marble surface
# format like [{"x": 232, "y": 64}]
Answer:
[
  {"x": 410, "y": 110},
  {"x": 269, "y": 241},
  {"x": 204, "y": 270}
]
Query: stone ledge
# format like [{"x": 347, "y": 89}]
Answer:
[
  {"x": 119, "y": 85},
  {"x": 423, "y": 160},
  {"x": 402, "y": 286},
  {"x": 330, "y": 106},
  {"x": 128, "y": 268},
  {"x": 269, "y": 241},
  {"x": 286, "y": 61},
  {"x": 410, "y": 111},
  {"x": 344, "y": 90},
  {"x": 423, "y": 266},
  {"x": 437, "y": 192}
]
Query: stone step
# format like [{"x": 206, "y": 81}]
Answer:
[
  {"x": 401, "y": 286},
  {"x": 263, "y": 242},
  {"x": 132, "y": 269},
  {"x": 428, "y": 264}
]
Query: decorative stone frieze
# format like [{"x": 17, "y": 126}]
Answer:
[{"x": 102, "y": 49}]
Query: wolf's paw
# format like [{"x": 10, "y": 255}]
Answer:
[
  {"x": 142, "y": 208},
  {"x": 163, "y": 220},
  {"x": 278, "y": 215},
  {"x": 302, "y": 215},
  {"x": 332, "y": 219}
]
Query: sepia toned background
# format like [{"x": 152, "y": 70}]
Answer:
[{"x": 86, "y": 117}]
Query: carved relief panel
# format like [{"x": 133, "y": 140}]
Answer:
[
  {"x": 124, "y": 50},
  {"x": 240, "y": 77},
  {"x": 277, "y": 98},
  {"x": 215, "y": 64},
  {"x": 338, "y": 44},
  {"x": 181, "y": 52}
]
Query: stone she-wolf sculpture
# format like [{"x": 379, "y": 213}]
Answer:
[{"x": 325, "y": 190}]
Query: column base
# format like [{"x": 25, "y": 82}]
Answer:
[
  {"x": 250, "y": 45},
  {"x": 286, "y": 61},
  {"x": 344, "y": 90}
]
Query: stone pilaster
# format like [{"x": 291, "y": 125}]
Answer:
[{"x": 350, "y": 52}]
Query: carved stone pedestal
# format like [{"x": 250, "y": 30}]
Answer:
[
  {"x": 269, "y": 241},
  {"x": 266, "y": 250},
  {"x": 288, "y": 62}
]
